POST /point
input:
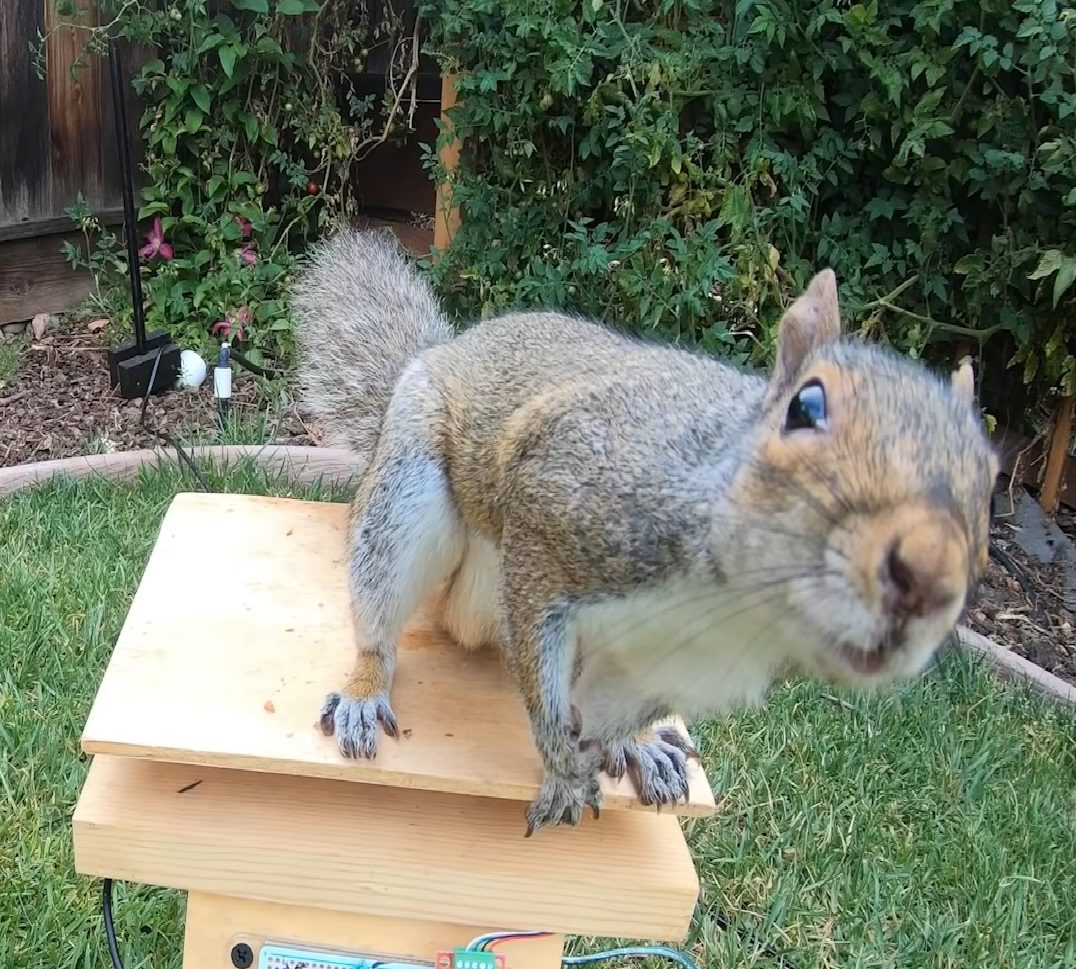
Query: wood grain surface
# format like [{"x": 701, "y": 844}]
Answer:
[
  {"x": 381, "y": 851},
  {"x": 241, "y": 626}
]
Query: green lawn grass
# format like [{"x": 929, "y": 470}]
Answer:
[{"x": 931, "y": 827}]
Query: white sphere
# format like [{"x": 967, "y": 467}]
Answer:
[{"x": 192, "y": 370}]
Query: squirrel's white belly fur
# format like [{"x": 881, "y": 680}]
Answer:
[
  {"x": 691, "y": 648},
  {"x": 472, "y": 613}
]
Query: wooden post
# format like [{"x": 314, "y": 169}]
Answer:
[
  {"x": 1057, "y": 457},
  {"x": 447, "y": 215}
]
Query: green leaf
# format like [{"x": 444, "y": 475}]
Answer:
[
  {"x": 1049, "y": 263},
  {"x": 227, "y": 59},
  {"x": 211, "y": 41},
  {"x": 968, "y": 264},
  {"x": 202, "y": 97},
  {"x": 1064, "y": 279},
  {"x": 267, "y": 45},
  {"x": 193, "y": 120},
  {"x": 296, "y": 8},
  {"x": 255, "y": 6}
]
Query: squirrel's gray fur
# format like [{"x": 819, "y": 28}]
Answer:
[
  {"x": 642, "y": 531},
  {"x": 360, "y": 327}
]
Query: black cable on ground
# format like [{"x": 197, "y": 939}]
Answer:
[
  {"x": 110, "y": 928},
  {"x": 255, "y": 368},
  {"x": 165, "y": 437}
]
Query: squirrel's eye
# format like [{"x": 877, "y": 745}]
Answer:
[{"x": 808, "y": 408}]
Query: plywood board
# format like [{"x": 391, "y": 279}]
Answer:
[
  {"x": 381, "y": 851},
  {"x": 241, "y": 626}
]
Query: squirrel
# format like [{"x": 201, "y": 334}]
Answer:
[{"x": 641, "y": 529}]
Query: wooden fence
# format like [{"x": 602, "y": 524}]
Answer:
[{"x": 57, "y": 140}]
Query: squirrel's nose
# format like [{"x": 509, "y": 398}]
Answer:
[{"x": 922, "y": 571}]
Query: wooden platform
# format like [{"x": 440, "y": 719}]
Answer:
[
  {"x": 377, "y": 851},
  {"x": 241, "y": 626},
  {"x": 210, "y": 775}
]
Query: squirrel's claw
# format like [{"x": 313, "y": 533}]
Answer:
[
  {"x": 561, "y": 801},
  {"x": 354, "y": 721},
  {"x": 658, "y": 766}
]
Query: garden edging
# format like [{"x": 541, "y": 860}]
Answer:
[{"x": 308, "y": 465}]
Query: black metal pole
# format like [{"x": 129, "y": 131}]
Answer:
[{"x": 130, "y": 224}]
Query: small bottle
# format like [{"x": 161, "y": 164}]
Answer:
[{"x": 222, "y": 381}]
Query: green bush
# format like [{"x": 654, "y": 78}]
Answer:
[
  {"x": 253, "y": 122},
  {"x": 682, "y": 167}
]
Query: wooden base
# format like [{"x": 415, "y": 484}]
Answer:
[
  {"x": 215, "y": 924},
  {"x": 375, "y": 850},
  {"x": 210, "y": 777}
]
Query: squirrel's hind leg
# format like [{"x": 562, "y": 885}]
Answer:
[{"x": 406, "y": 539}]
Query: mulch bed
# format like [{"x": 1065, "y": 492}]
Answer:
[
  {"x": 61, "y": 404},
  {"x": 1021, "y": 603}
]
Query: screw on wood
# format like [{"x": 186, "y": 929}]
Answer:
[{"x": 242, "y": 956}]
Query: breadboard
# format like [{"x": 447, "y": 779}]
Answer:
[
  {"x": 241, "y": 625},
  {"x": 274, "y": 955}
]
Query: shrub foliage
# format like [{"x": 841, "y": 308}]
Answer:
[
  {"x": 684, "y": 166},
  {"x": 253, "y": 122}
]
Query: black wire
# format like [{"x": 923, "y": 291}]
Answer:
[
  {"x": 165, "y": 437},
  {"x": 110, "y": 928},
  {"x": 255, "y": 368}
]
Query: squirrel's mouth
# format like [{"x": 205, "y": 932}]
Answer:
[{"x": 866, "y": 660}]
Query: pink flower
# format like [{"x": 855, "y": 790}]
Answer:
[
  {"x": 245, "y": 227},
  {"x": 248, "y": 255},
  {"x": 233, "y": 326},
  {"x": 155, "y": 244}
]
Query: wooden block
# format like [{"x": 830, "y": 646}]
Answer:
[
  {"x": 35, "y": 277},
  {"x": 216, "y": 923},
  {"x": 446, "y": 213},
  {"x": 381, "y": 851},
  {"x": 240, "y": 627}
]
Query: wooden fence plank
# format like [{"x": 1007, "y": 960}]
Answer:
[{"x": 24, "y": 140}]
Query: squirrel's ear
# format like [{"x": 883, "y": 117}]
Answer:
[
  {"x": 964, "y": 381},
  {"x": 812, "y": 320}
]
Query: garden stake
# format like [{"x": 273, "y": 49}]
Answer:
[{"x": 133, "y": 362}]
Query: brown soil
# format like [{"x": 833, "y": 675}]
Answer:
[
  {"x": 1021, "y": 602},
  {"x": 60, "y": 404}
]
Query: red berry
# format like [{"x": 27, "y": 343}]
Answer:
[{"x": 312, "y": 188}]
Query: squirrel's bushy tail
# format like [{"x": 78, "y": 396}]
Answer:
[{"x": 362, "y": 312}]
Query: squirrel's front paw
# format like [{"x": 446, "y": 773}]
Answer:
[
  {"x": 354, "y": 720},
  {"x": 561, "y": 801},
  {"x": 658, "y": 766}
]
